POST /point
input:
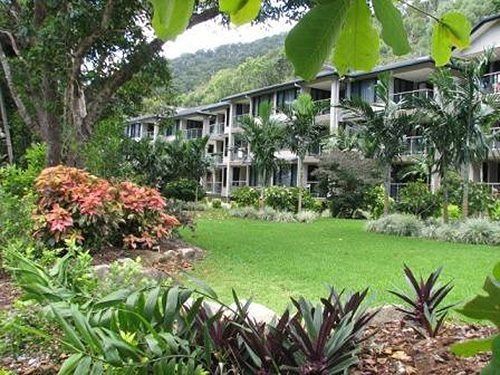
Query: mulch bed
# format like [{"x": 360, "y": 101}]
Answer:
[{"x": 396, "y": 348}]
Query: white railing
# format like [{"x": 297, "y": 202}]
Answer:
[
  {"x": 193, "y": 133},
  {"x": 494, "y": 187},
  {"x": 240, "y": 155},
  {"x": 405, "y": 95},
  {"x": 414, "y": 145},
  {"x": 213, "y": 187},
  {"x": 216, "y": 129},
  {"x": 491, "y": 82},
  {"x": 238, "y": 183},
  {"x": 216, "y": 158},
  {"x": 313, "y": 187},
  {"x": 395, "y": 189}
]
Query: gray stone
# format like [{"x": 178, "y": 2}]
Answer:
[
  {"x": 168, "y": 256},
  {"x": 153, "y": 273},
  {"x": 258, "y": 312},
  {"x": 188, "y": 253},
  {"x": 101, "y": 271}
]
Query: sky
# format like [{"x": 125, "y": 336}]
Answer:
[{"x": 211, "y": 34}]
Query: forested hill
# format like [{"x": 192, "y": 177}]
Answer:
[{"x": 190, "y": 70}]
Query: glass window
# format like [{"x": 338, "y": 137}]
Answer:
[
  {"x": 364, "y": 90},
  {"x": 285, "y": 97}
]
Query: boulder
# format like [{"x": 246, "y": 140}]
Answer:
[
  {"x": 188, "y": 253},
  {"x": 168, "y": 256},
  {"x": 101, "y": 271},
  {"x": 258, "y": 312}
]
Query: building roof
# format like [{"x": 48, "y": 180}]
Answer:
[
  {"x": 201, "y": 110},
  {"x": 484, "y": 21}
]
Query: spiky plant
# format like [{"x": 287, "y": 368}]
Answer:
[{"x": 424, "y": 302}]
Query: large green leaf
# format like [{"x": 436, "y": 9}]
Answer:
[
  {"x": 485, "y": 307},
  {"x": 472, "y": 347},
  {"x": 493, "y": 367},
  {"x": 240, "y": 11},
  {"x": 171, "y": 17},
  {"x": 393, "y": 30},
  {"x": 452, "y": 31},
  {"x": 358, "y": 44},
  {"x": 311, "y": 41}
]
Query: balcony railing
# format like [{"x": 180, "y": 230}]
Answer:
[
  {"x": 238, "y": 183},
  {"x": 313, "y": 187},
  {"x": 491, "y": 82},
  {"x": 216, "y": 129},
  {"x": 213, "y": 187},
  {"x": 240, "y": 155},
  {"x": 414, "y": 145},
  {"x": 193, "y": 133},
  {"x": 494, "y": 187},
  {"x": 216, "y": 158},
  {"x": 405, "y": 95}
]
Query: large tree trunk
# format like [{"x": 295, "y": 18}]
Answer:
[
  {"x": 387, "y": 190},
  {"x": 465, "y": 190},
  {"x": 300, "y": 166},
  {"x": 50, "y": 122},
  {"x": 6, "y": 128}
]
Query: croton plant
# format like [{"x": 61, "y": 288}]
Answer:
[{"x": 72, "y": 203}]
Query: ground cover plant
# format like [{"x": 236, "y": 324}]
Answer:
[{"x": 272, "y": 261}]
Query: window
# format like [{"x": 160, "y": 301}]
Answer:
[
  {"x": 364, "y": 90},
  {"x": 171, "y": 129},
  {"x": 242, "y": 109},
  {"x": 133, "y": 130},
  {"x": 150, "y": 130},
  {"x": 285, "y": 97},
  {"x": 317, "y": 94}
]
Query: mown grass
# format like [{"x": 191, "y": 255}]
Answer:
[{"x": 273, "y": 261}]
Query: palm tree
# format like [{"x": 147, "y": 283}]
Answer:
[
  {"x": 383, "y": 129},
  {"x": 477, "y": 112},
  {"x": 302, "y": 132},
  {"x": 265, "y": 135}
]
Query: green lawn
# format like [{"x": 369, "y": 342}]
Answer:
[{"x": 272, "y": 261}]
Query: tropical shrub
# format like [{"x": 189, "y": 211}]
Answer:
[
  {"x": 484, "y": 307},
  {"x": 184, "y": 190},
  {"x": 417, "y": 199},
  {"x": 73, "y": 204},
  {"x": 216, "y": 204},
  {"x": 374, "y": 201},
  {"x": 454, "y": 212},
  {"x": 175, "y": 330},
  {"x": 480, "y": 197},
  {"x": 397, "y": 224},
  {"x": 246, "y": 196},
  {"x": 19, "y": 181},
  {"x": 494, "y": 210},
  {"x": 479, "y": 231},
  {"x": 306, "y": 216},
  {"x": 16, "y": 222},
  {"x": 283, "y": 198},
  {"x": 424, "y": 303}
]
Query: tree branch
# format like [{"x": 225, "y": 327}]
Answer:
[
  {"x": 135, "y": 63},
  {"x": 23, "y": 112}
]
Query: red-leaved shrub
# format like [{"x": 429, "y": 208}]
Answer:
[{"x": 73, "y": 203}]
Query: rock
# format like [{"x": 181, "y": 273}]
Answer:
[
  {"x": 168, "y": 256},
  {"x": 385, "y": 315},
  {"x": 188, "y": 253},
  {"x": 153, "y": 273},
  {"x": 125, "y": 261},
  {"x": 101, "y": 271},
  {"x": 258, "y": 312}
]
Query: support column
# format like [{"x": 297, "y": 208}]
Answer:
[
  {"x": 229, "y": 173},
  {"x": 334, "y": 102}
]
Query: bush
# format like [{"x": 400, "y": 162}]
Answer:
[
  {"x": 374, "y": 201},
  {"x": 216, "y": 204},
  {"x": 454, "y": 212},
  {"x": 20, "y": 181},
  {"x": 184, "y": 190},
  {"x": 306, "y": 216},
  {"x": 417, "y": 199},
  {"x": 397, "y": 224},
  {"x": 479, "y": 231},
  {"x": 284, "y": 198},
  {"x": 480, "y": 198},
  {"x": 73, "y": 204},
  {"x": 246, "y": 196},
  {"x": 494, "y": 210},
  {"x": 16, "y": 222}
]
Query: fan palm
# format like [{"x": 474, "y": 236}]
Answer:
[
  {"x": 302, "y": 132},
  {"x": 383, "y": 129}
]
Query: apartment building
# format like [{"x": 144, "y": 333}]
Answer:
[{"x": 232, "y": 167}]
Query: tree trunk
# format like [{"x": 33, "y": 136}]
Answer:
[
  {"x": 49, "y": 122},
  {"x": 387, "y": 190},
  {"x": 6, "y": 128},
  {"x": 465, "y": 191},
  {"x": 300, "y": 164},
  {"x": 444, "y": 185}
]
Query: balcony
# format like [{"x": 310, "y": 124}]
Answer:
[
  {"x": 193, "y": 133},
  {"x": 414, "y": 145},
  {"x": 314, "y": 190},
  {"x": 494, "y": 187},
  {"x": 406, "y": 95},
  {"x": 491, "y": 82},
  {"x": 238, "y": 183},
  {"x": 214, "y": 188},
  {"x": 216, "y": 129},
  {"x": 216, "y": 158},
  {"x": 240, "y": 155},
  {"x": 325, "y": 105}
]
